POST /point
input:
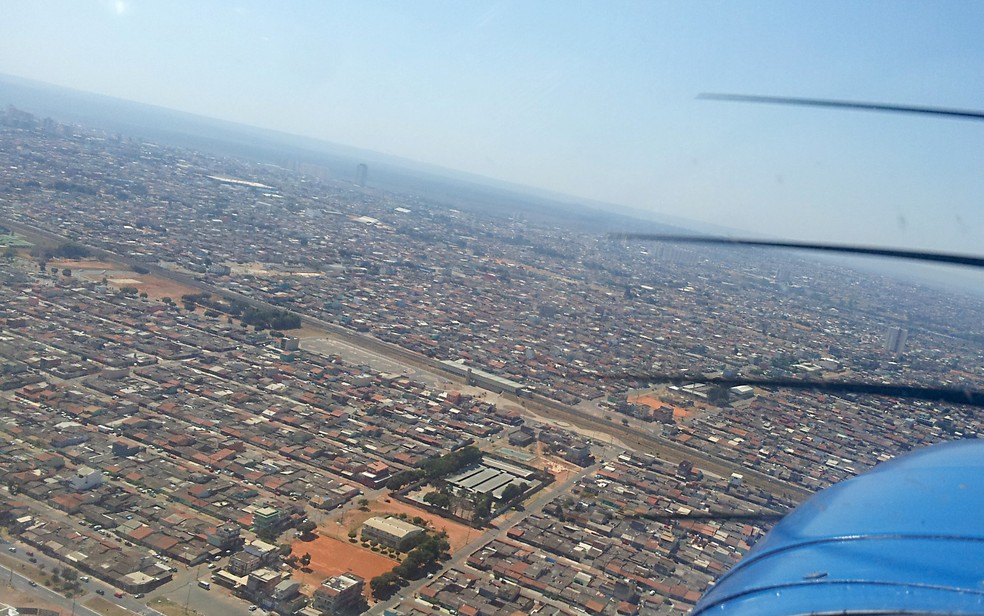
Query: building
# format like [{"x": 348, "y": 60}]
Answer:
[
  {"x": 85, "y": 478},
  {"x": 481, "y": 378},
  {"x": 266, "y": 521},
  {"x": 243, "y": 563},
  {"x": 391, "y": 532},
  {"x": 262, "y": 582},
  {"x": 339, "y": 594},
  {"x": 360, "y": 174},
  {"x": 289, "y": 343},
  {"x": 579, "y": 455},
  {"x": 225, "y": 537},
  {"x": 286, "y": 597},
  {"x": 895, "y": 338},
  {"x": 742, "y": 392},
  {"x": 522, "y": 437}
]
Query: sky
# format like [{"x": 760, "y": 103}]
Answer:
[{"x": 590, "y": 99}]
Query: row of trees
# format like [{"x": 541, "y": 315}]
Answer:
[
  {"x": 421, "y": 560},
  {"x": 260, "y": 318},
  {"x": 437, "y": 467},
  {"x": 68, "y": 250}
]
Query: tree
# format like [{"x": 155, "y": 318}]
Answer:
[
  {"x": 402, "y": 478},
  {"x": 306, "y": 559},
  {"x": 364, "y": 504},
  {"x": 483, "y": 507},
  {"x": 71, "y": 251},
  {"x": 512, "y": 491},
  {"x": 66, "y": 272},
  {"x": 306, "y": 527},
  {"x": 438, "y": 499},
  {"x": 385, "y": 585},
  {"x": 447, "y": 464},
  {"x": 718, "y": 395}
]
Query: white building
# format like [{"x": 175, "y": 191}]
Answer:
[
  {"x": 390, "y": 531},
  {"x": 85, "y": 478}
]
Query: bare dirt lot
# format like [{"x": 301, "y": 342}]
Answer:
[
  {"x": 458, "y": 534},
  {"x": 655, "y": 403},
  {"x": 119, "y": 276},
  {"x": 330, "y": 556}
]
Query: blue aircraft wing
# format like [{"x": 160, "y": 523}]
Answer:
[{"x": 906, "y": 537}]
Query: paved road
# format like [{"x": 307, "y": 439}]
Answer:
[
  {"x": 19, "y": 582},
  {"x": 183, "y": 590}
]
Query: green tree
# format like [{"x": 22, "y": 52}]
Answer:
[
  {"x": 438, "y": 499},
  {"x": 385, "y": 585},
  {"x": 483, "y": 507},
  {"x": 513, "y": 491},
  {"x": 306, "y": 527},
  {"x": 403, "y": 478}
]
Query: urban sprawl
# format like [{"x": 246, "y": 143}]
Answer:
[{"x": 228, "y": 386}]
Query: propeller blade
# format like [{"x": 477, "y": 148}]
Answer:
[
  {"x": 918, "y": 255},
  {"x": 965, "y": 114},
  {"x": 968, "y": 397}
]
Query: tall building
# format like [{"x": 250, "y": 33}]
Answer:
[
  {"x": 224, "y": 537},
  {"x": 266, "y": 520},
  {"x": 360, "y": 174},
  {"x": 895, "y": 338},
  {"x": 339, "y": 594}
]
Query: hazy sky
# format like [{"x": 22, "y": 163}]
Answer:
[{"x": 594, "y": 99}]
